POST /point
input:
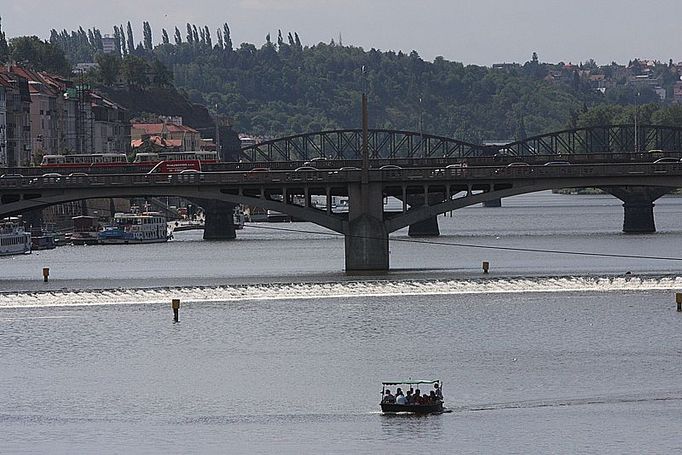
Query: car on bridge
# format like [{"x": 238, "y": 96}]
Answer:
[
  {"x": 557, "y": 163},
  {"x": 666, "y": 160},
  {"x": 47, "y": 178}
]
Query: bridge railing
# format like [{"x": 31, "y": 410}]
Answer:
[{"x": 339, "y": 176}]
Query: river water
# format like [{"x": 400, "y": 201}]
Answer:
[{"x": 277, "y": 350}]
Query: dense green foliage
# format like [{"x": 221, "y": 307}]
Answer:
[
  {"x": 285, "y": 88},
  {"x": 33, "y": 52},
  {"x": 4, "y": 48}
]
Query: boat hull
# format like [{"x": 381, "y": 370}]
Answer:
[
  {"x": 118, "y": 241},
  {"x": 392, "y": 408}
]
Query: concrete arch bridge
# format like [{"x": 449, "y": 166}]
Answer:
[{"x": 425, "y": 191}]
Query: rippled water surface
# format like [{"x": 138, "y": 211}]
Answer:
[{"x": 278, "y": 351}]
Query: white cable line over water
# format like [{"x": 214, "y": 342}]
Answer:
[{"x": 487, "y": 247}]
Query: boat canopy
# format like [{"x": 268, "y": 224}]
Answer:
[{"x": 412, "y": 381}]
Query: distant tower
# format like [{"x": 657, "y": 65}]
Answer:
[{"x": 108, "y": 44}]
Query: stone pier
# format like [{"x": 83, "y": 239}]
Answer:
[
  {"x": 426, "y": 228},
  {"x": 219, "y": 222},
  {"x": 638, "y": 206},
  {"x": 366, "y": 237}
]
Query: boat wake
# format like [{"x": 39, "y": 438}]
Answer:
[
  {"x": 338, "y": 289},
  {"x": 550, "y": 403}
]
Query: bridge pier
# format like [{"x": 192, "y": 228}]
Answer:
[
  {"x": 219, "y": 221},
  {"x": 366, "y": 236},
  {"x": 426, "y": 228},
  {"x": 638, "y": 206}
]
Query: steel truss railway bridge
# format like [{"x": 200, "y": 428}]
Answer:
[{"x": 429, "y": 174}]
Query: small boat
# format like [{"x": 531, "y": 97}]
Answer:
[
  {"x": 13, "y": 238},
  {"x": 43, "y": 238},
  {"x": 146, "y": 227},
  {"x": 85, "y": 229},
  {"x": 389, "y": 406}
]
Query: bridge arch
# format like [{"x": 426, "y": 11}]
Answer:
[
  {"x": 346, "y": 144},
  {"x": 49, "y": 198},
  {"x": 610, "y": 139}
]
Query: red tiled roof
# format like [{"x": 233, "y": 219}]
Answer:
[{"x": 158, "y": 141}]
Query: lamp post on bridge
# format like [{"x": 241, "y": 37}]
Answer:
[
  {"x": 365, "y": 130},
  {"x": 636, "y": 118}
]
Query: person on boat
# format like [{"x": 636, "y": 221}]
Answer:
[
  {"x": 399, "y": 397},
  {"x": 417, "y": 397},
  {"x": 433, "y": 398},
  {"x": 409, "y": 399},
  {"x": 388, "y": 397},
  {"x": 438, "y": 391}
]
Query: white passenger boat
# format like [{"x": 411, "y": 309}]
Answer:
[
  {"x": 147, "y": 227},
  {"x": 13, "y": 238}
]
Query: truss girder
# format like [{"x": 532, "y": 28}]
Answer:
[{"x": 347, "y": 144}]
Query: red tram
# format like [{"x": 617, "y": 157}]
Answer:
[{"x": 163, "y": 162}]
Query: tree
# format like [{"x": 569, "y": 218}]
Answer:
[
  {"x": 98, "y": 39},
  {"x": 91, "y": 38},
  {"x": 109, "y": 67},
  {"x": 134, "y": 71},
  {"x": 161, "y": 76},
  {"x": 164, "y": 36},
  {"x": 117, "y": 40},
  {"x": 124, "y": 48},
  {"x": 4, "y": 48},
  {"x": 671, "y": 116},
  {"x": 207, "y": 36},
  {"x": 219, "y": 34},
  {"x": 147, "y": 33},
  {"x": 190, "y": 36},
  {"x": 131, "y": 41},
  {"x": 195, "y": 33},
  {"x": 40, "y": 55},
  {"x": 226, "y": 37},
  {"x": 178, "y": 38}
]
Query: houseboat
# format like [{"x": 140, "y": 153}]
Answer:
[
  {"x": 146, "y": 227},
  {"x": 13, "y": 238},
  {"x": 43, "y": 238},
  {"x": 85, "y": 230}
]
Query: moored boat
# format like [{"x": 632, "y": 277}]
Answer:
[
  {"x": 13, "y": 238},
  {"x": 42, "y": 238},
  {"x": 85, "y": 229},
  {"x": 146, "y": 227}
]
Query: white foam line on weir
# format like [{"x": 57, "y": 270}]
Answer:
[{"x": 334, "y": 290}]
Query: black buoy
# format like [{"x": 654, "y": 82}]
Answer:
[{"x": 176, "y": 309}]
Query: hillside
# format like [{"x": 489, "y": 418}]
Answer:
[{"x": 283, "y": 87}]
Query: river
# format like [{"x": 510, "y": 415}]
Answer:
[{"x": 278, "y": 350}]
